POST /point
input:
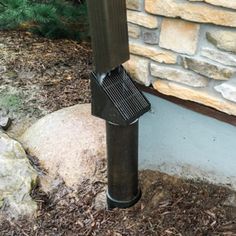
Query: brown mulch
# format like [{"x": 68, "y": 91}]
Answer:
[
  {"x": 53, "y": 74},
  {"x": 169, "y": 206}
]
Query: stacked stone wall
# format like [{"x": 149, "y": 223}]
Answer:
[{"x": 186, "y": 49}]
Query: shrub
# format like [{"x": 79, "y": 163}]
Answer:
[{"x": 49, "y": 18}]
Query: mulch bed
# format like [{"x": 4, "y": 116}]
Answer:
[
  {"x": 55, "y": 74},
  {"x": 169, "y": 206},
  {"x": 52, "y": 74}
]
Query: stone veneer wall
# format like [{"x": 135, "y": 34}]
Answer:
[{"x": 186, "y": 49}]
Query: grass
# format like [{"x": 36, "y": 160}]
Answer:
[{"x": 10, "y": 101}]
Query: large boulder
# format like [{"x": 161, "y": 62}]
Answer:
[
  {"x": 16, "y": 179},
  {"x": 69, "y": 143}
]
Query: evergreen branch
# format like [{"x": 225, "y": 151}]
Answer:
[
  {"x": 50, "y": 18},
  {"x": 3, "y": 4}
]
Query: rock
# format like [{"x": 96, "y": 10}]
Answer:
[
  {"x": 154, "y": 53},
  {"x": 201, "y": 13},
  {"x": 100, "y": 202},
  {"x": 224, "y": 58},
  {"x": 178, "y": 75},
  {"x": 4, "y": 111},
  {"x": 3, "y": 69},
  {"x": 228, "y": 90},
  {"x": 137, "y": 67},
  {"x": 222, "y": 3},
  {"x": 222, "y": 39},
  {"x": 211, "y": 70},
  {"x": 134, "y": 31},
  {"x": 185, "y": 38},
  {"x": 231, "y": 200},
  {"x": 17, "y": 177},
  {"x": 150, "y": 36},
  {"x": 69, "y": 143},
  {"x": 5, "y": 122},
  {"x": 134, "y": 4},
  {"x": 20, "y": 126},
  {"x": 142, "y": 19},
  {"x": 201, "y": 96}
]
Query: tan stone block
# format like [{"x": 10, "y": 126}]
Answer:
[
  {"x": 202, "y": 13},
  {"x": 222, "y": 39},
  {"x": 134, "y": 4},
  {"x": 134, "y": 31},
  {"x": 179, "y": 36},
  {"x": 209, "y": 69},
  {"x": 222, "y": 3},
  {"x": 154, "y": 53},
  {"x": 228, "y": 90},
  {"x": 202, "y": 96},
  {"x": 178, "y": 75},
  {"x": 221, "y": 57},
  {"x": 138, "y": 69},
  {"x": 142, "y": 19}
]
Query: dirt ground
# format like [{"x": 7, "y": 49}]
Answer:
[{"x": 38, "y": 76}]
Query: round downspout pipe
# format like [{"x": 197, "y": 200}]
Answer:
[{"x": 122, "y": 156}]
